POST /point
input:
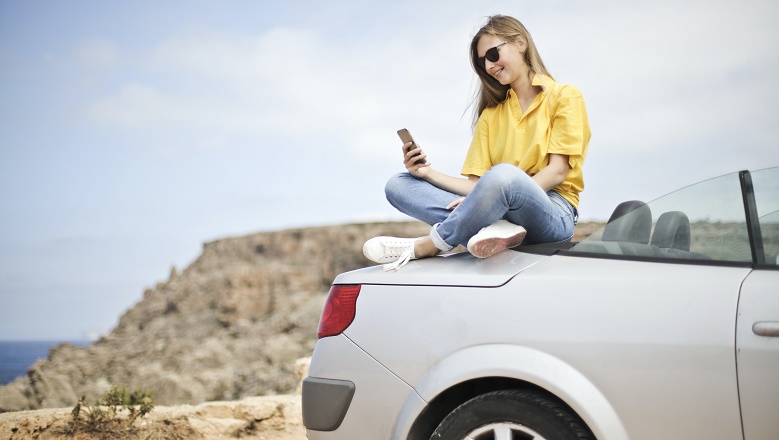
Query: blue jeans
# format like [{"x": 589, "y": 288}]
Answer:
[{"x": 503, "y": 192}]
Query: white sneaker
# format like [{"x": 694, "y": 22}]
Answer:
[
  {"x": 393, "y": 252},
  {"x": 496, "y": 237}
]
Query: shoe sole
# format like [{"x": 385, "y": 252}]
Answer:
[{"x": 491, "y": 246}]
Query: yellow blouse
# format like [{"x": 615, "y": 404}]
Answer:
[{"x": 556, "y": 123}]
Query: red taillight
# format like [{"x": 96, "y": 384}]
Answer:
[{"x": 339, "y": 310}]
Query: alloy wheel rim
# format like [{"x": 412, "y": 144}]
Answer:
[{"x": 503, "y": 431}]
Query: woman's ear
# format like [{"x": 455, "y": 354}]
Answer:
[{"x": 521, "y": 44}]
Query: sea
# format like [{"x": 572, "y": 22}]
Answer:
[{"x": 17, "y": 356}]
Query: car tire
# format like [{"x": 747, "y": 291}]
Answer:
[{"x": 511, "y": 414}]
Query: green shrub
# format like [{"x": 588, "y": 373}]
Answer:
[{"x": 103, "y": 419}]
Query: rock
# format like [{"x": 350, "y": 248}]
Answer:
[
  {"x": 269, "y": 418},
  {"x": 301, "y": 372}
]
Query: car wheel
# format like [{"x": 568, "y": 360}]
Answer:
[{"x": 511, "y": 414}]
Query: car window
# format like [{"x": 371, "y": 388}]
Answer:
[
  {"x": 766, "y": 188},
  {"x": 704, "y": 222}
]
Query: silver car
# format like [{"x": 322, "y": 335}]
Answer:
[{"x": 662, "y": 325}]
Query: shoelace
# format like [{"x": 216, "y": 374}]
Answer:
[
  {"x": 405, "y": 257},
  {"x": 397, "y": 246}
]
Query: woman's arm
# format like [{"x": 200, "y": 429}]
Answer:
[
  {"x": 548, "y": 178},
  {"x": 412, "y": 160},
  {"x": 456, "y": 185},
  {"x": 554, "y": 173}
]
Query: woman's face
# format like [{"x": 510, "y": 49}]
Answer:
[{"x": 510, "y": 66}]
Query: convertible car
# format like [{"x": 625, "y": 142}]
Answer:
[{"x": 664, "y": 324}]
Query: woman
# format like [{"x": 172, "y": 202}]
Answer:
[{"x": 524, "y": 165}]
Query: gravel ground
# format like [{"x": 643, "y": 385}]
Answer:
[{"x": 266, "y": 418}]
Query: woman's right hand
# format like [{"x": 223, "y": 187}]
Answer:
[{"x": 413, "y": 162}]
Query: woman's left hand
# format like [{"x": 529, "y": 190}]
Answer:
[{"x": 452, "y": 206}]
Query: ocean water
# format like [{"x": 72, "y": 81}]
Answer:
[{"x": 17, "y": 356}]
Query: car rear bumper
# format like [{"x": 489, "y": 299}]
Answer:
[
  {"x": 325, "y": 402},
  {"x": 339, "y": 368}
]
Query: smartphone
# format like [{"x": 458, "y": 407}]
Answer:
[{"x": 405, "y": 136}]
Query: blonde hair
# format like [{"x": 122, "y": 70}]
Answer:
[{"x": 509, "y": 29}]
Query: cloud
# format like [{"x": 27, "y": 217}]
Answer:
[
  {"x": 142, "y": 106},
  {"x": 292, "y": 83},
  {"x": 654, "y": 79}
]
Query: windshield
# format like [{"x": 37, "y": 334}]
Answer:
[{"x": 705, "y": 222}]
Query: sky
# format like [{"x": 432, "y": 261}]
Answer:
[{"x": 133, "y": 132}]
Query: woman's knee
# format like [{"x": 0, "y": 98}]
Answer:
[
  {"x": 397, "y": 186},
  {"x": 503, "y": 176}
]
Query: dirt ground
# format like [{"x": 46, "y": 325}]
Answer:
[{"x": 261, "y": 418}]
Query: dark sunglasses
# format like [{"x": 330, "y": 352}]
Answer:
[{"x": 492, "y": 54}]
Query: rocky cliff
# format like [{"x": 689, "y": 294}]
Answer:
[{"x": 230, "y": 325}]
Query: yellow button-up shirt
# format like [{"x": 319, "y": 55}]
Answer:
[{"x": 554, "y": 123}]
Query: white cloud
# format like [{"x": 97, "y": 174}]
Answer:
[
  {"x": 659, "y": 74},
  {"x": 140, "y": 106},
  {"x": 656, "y": 76},
  {"x": 292, "y": 83},
  {"x": 652, "y": 76}
]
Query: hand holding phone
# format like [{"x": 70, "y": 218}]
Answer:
[{"x": 406, "y": 137}]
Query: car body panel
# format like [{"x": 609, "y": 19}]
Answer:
[
  {"x": 532, "y": 366},
  {"x": 449, "y": 270},
  {"x": 337, "y": 357},
  {"x": 645, "y": 344},
  {"x": 758, "y": 355}
]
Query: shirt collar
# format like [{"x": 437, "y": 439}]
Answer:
[
  {"x": 541, "y": 80},
  {"x": 538, "y": 80}
]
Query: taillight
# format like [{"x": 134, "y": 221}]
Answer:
[{"x": 339, "y": 310}]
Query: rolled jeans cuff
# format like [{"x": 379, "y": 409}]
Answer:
[{"x": 438, "y": 241}]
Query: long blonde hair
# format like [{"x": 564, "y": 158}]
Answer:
[{"x": 509, "y": 29}]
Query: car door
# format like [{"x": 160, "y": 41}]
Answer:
[
  {"x": 757, "y": 325},
  {"x": 757, "y": 354},
  {"x": 729, "y": 220}
]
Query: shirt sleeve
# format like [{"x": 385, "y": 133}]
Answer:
[
  {"x": 570, "y": 132},
  {"x": 478, "y": 161}
]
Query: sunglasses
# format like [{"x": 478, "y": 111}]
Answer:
[{"x": 492, "y": 54}]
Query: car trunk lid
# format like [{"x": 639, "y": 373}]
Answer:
[{"x": 450, "y": 270}]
